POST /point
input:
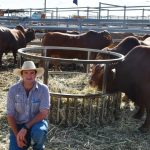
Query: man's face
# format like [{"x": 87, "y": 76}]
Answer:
[{"x": 28, "y": 76}]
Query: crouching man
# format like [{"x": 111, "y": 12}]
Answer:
[{"x": 28, "y": 104}]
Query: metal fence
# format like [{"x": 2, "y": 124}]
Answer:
[{"x": 109, "y": 17}]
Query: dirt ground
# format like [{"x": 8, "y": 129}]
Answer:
[{"x": 122, "y": 134}]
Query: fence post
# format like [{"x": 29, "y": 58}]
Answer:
[
  {"x": 56, "y": 13},
  {"x": 52, "y": 14},
  {"x": 80, "y": 25},
  {"x": 78, "y": 13},
  {"x": 87, "y": 13},
  {"x": 104, "y": 86},
  {"x": 99, "y": 17},
  {"x": 107, "y": 14},
  {"x": 124, "y": 19},
  {"x": 142, "y": 18}
]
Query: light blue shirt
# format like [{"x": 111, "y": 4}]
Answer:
[{"x": 25, "y": 108}]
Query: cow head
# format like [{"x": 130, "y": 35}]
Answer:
[
  {"x": 102, "y": 39},
  {"x": 21, "y": 28},
  {"x": 30, "y": 35},
  {"x": 96, "y": 78},
  {"x": 106, "y": 34}
]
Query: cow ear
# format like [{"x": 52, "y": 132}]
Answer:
[
  {"x": 113, "y": 70},
  {"x": 30, "y": 30},
  {"x": 113, "y": 65},
  {"x": 99, "y": 67}
]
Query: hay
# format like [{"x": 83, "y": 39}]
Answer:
[
  {"x": 71, "y": 83},
  {"x": 119, "y": 135},
  {"x": 76, "y": 103}
]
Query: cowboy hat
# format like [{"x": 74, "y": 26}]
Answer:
[{"x": 29, "y": 65}]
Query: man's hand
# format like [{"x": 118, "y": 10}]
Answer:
[{"x": 21, "y": 141}]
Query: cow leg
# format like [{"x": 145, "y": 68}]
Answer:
[
  {"x": 140, "y": 113},
  {"x": 139, "y": 101},
  {"x": 55, "y": 63},
  {"x": 146, "y": 126},
  {"x": 56, "y": 67},
  {"x": 15, "y": 57},
  {"x": 1, "y": 55}
]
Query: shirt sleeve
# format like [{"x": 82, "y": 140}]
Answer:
[
  {"x": 10, "y": 102},
  {"x": 45, "y": 99}
]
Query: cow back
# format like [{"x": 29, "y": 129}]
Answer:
[{"x": 91, "y": 39}]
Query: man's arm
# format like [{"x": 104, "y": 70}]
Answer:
[
  {"x": 12, "y": 124},
  {"x": 21, "y": 142}
]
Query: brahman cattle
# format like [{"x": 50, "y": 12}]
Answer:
[
  {"x": 40, "y": 33},
  {"x": 123, "y": 47},
  {"x": 132, "y": 77},
  {"x": 91, "y": 39},
  {"x": 121, "y": 35},
  {"x": 118, "y": 36},
  {"x": 13, "y": 39},
  {"x": 146, "y": 42}
]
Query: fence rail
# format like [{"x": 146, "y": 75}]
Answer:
[{"x": 135, "y": 19}]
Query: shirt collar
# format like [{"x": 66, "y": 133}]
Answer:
[{"x": 36, "y": 85}]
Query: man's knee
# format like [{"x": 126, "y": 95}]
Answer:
[
  {"x": 38, "y": 135},
  {"x": 38, "y": 132}
]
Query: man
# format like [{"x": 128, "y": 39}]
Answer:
[{"x": 28, "y": 105}]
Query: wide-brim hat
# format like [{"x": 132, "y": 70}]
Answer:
[{"x": 29, "y": 65}]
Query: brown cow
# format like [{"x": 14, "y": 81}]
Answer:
[
  {"x": 146, "y": 42},
  {"x": 121, "y": 35},
  {"x": 118, "y": 36},
  {"x": 132, "y": 78},
  {"x": 142, "y": 37},
  {"x": 123, "y": 47},
  {"x": 13, "y": 39},
  {"x": 91, "y": 39}
]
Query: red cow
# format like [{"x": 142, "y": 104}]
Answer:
[
  {"x": 91, "y": 39},
  {"x": 132, "y": 78},
  {"x": 13, "y": 39},
  {"x": 123, "y": 47}
]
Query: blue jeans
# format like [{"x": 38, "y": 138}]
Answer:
[{"x": 35, "y": 137}]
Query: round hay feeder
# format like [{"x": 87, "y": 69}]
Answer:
[{"x": 77, "y": 108}]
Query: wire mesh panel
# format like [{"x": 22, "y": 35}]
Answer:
[{"x": 84, "y": 110}]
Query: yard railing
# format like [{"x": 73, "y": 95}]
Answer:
[{"x": 109, "y": 17}]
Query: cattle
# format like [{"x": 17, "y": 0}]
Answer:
[
  {"x": 126, "y": 45},
  {"x": 123, "y": 47},
  {"x": 121, "y": 35},
  {"x": 13, "y": 39},
  {"x": 118, "y": 36},
  {"x": 132, "y": 77},
  {"x": 146, "y": 41},
  {"x": 142, "y": 37},
  {"x": 91, "y": 39},
  {"x": 40, "y": 33}
]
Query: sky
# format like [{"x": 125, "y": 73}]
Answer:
[
  {"x": 18, "y": 4},
  {"x": 22, "y": 4}
]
